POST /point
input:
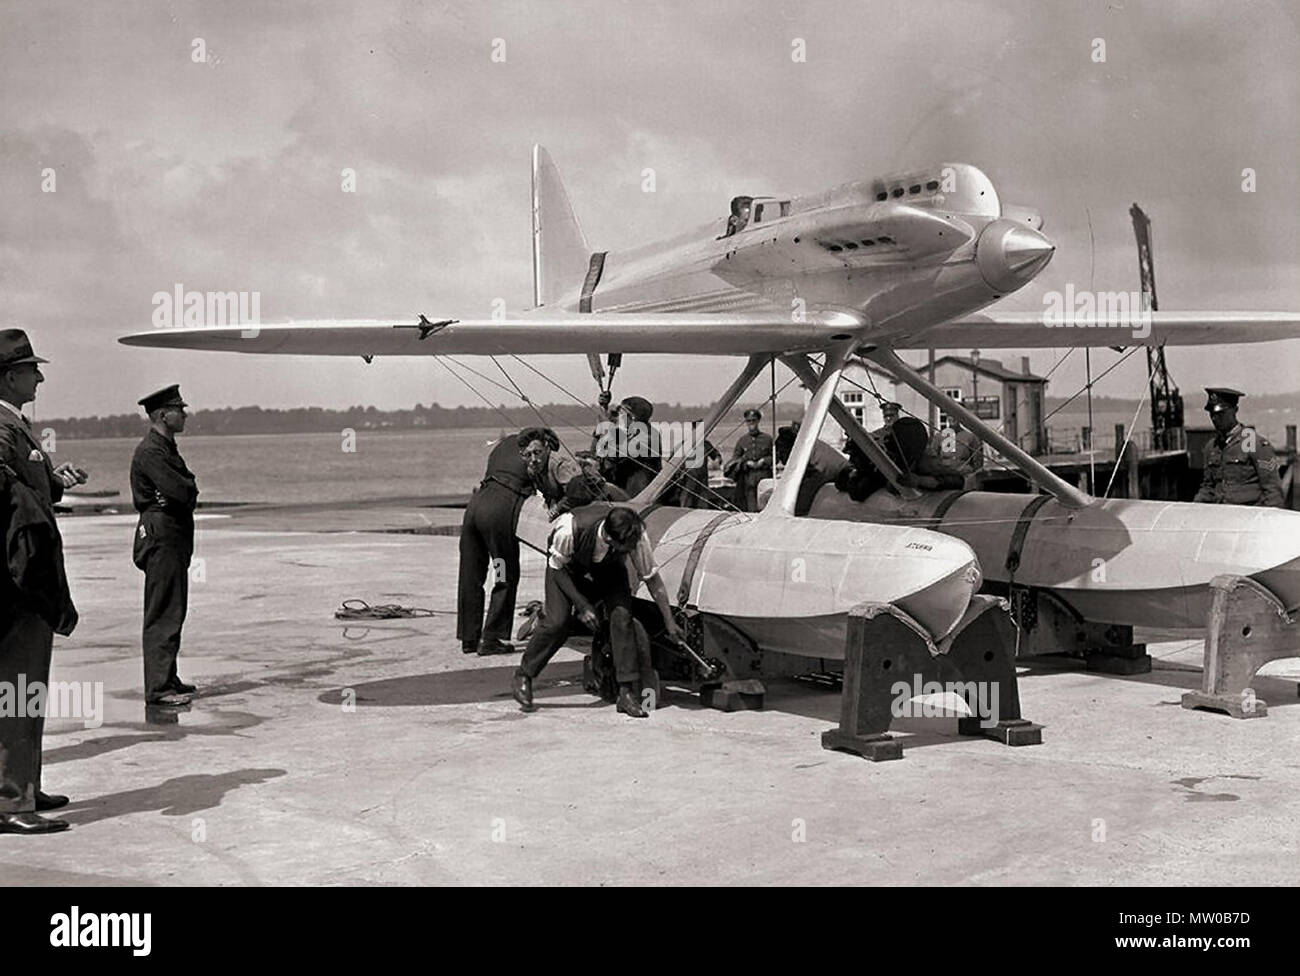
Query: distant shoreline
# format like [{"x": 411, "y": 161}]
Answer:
[{"x": 245, "y": 421}]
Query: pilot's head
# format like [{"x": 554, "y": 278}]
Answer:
[
  {"x": 752, "y": 418},
  {"x": 891, "y": 411}
]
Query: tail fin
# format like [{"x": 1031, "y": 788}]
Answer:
[{"x": 560, "y": 252}]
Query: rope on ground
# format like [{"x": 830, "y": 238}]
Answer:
[{"x": 357, "y": 609}]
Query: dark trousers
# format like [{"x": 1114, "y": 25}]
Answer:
[
  {"x": 747, "y": 492},
  {"x": 607, "y": 587},
  {"x": 166, "y": 597},
  {"x": 487, "y": 534},
  {"x": 25, "y": 646}
]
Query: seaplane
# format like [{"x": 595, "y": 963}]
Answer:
[{"x": 906, "y": 261}]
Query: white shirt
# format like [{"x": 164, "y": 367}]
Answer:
[
  {"x": 14, "y": 410},
  {"x": 642, "y": 558}
]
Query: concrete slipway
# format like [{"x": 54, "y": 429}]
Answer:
[{"x": 436, "y": 777}]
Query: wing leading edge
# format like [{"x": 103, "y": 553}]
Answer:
[
  {"x": 704, "y": 334},
  {"x": 1033, "y": 330},
  {"x": 558, "y": 334}
]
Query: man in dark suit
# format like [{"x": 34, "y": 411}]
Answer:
[
  {"x": 34, "y": 599},
  {"x": 165, "y": 494},
  {"x": 489, "y": 547}
]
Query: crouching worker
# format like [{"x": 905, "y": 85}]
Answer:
[{"x": 593, "y": 554}]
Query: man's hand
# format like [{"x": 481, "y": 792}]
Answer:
[
  {"x": 588, "y": 616},
  {"x": 70, "y": 475},
  {"x": 674, "y": 632}
]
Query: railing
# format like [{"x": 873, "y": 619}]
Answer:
[{"x": 1079, "y": 440}]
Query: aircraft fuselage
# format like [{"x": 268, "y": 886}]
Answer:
[{"x": 902, "y": 254}]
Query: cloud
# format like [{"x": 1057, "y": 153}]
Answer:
[{"x": 226, "y": 175}]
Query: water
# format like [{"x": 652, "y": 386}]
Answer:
[{"x": 291, "y": 468}]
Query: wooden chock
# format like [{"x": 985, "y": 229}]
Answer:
[
  {"x": 1246, "y": 628},
  {"x": 884, "y": 646}
]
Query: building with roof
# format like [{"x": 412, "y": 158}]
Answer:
[{"x": 1011, "y": 402}]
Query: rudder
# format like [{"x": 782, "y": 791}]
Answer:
[{"x": 560, "y": 252}]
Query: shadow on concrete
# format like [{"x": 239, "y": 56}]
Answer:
[
  {"x": 179, "y": 796},
  {"x": 216, "y": 723},
  {"x": 559, "y": 680},
  {"x": 564, "y": 680},
  {"x": 1278, "y": 691}
]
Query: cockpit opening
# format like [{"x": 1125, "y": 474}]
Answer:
[{"x": 739, "y": 218}]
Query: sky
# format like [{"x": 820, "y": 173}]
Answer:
[{"x": 226, "y": 174}]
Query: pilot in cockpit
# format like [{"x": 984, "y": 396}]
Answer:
[{"x": 739, "y": 215}]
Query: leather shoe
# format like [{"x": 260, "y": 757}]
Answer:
[
  {"x": 182, "y": 687},
  {"x": 490, "y": 647},
  {"x": 521, "y": 686},
  {"x": 30, "y": 823},
  {"x": 469, "y": 647},
  {"x": 628, "y": 705},
  {"x": 169, "y": 698},
  {"x": 50, "y": 801}
]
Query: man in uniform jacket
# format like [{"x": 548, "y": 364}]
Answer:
[
  {"x": 1240, "y": 467},
  {"x": 489, "y": 548},
  {"x": 751, "y": 462},
  {"x": 34, "y": 598},
  {"x": 165, "y": 494}
]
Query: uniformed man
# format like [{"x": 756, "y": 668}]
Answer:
[
  {"x": 34, "y": 599},
  {"x": 1240, "y": 468},
  {"x": 489, "y": 547},
  {"x": 165, "y": 494},
  {"x": 549, "y": 468},
  {"x": 751, "y": 462},
  {"x": 592, "y": 553},
  {"x": 903, "y": 438}
]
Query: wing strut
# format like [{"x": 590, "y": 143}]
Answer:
[
  {"x": 802, "y": 367},
  {"x": 787, "y": 487},
  {"x": 669, "y": 471},
  {"x": 1036, "y": 471}
]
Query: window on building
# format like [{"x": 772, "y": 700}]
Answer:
[
  {"x": 952, "y": 393},
  {"x": 989, "y": 408},
  {"x": 851, "y": 397}
]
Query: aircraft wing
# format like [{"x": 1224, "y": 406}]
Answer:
[
  {"x": 527, "y": 334},
  {"x": 1030, "y": 330}
]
